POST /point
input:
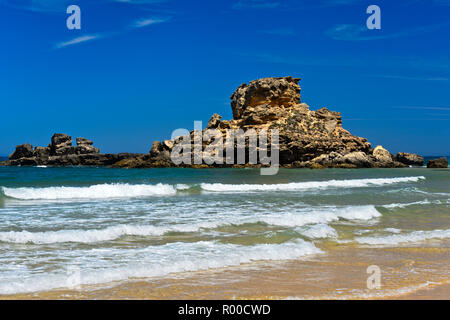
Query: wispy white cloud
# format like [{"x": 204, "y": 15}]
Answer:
[
  {"x": 139, "y": 23},
  {"x": 77, "y": 40},
  {"x": 144, "y": 22},
  {"x": 351, "y": 32}
]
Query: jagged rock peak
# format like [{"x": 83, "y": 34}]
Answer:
[
  {"x": 22, "y": 151},
  {"x": 283, "y": 91},
  {"x": 60, "y": 140}
]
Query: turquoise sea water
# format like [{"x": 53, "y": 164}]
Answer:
[{"x": 117, "y": 224}]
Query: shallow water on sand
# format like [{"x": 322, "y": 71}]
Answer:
[{"x": 99, "y": 225}]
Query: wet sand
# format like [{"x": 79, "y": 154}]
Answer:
[{"x": 340, "y": 273}]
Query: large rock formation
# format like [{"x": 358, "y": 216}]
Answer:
[
  {"x": 438, "y": 163},
  {"x": 307, "y": 138}
]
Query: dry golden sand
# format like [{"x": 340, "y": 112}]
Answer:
[{"x": 407, "y": 273}]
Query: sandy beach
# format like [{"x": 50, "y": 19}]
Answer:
[{"x": 407, "y": 273}]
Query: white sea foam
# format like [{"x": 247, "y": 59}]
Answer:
[
  {"x": 125, "y": 190},
  {"x": 357, "y": 294},
  {"x": 314, "y": 216},
  {"x": 98, "y": 235},
  {"x": 82, "y": 236},
  {"x": 324, "y": 215},
  {"x": 318, "y": 231},
  {"x": 393, "y": 230},
  {"x": 101, "y": 266},
  {"x": 99, "y": 191},
  {"x": 294, "y": 186},
  {"x": 415, "y": 236},
  {"x": 404, "y": 205}
]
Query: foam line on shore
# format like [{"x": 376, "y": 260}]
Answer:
[
  {"x": 412, "y": 237},
  {"x": 404, "y": 205}
]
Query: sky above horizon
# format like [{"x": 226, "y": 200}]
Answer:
[{"x": 139, "y": 69}]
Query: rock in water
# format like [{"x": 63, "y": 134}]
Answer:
[
  {"x": 383, "y": 157},
  {"x": 438, "y": 163},
  {"x": 275, "y": 103},
  {"x": 61, "y": 152},
  {"x": 410, "y": 159},
  {"x": 307, "y": 138},
  {"x": 22, "y": 151},
  {"x": 313, "y": 139}
]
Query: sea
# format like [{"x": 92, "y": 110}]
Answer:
[{"x": 96, "y": 226}]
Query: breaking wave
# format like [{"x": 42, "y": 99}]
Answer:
[
  {"x": 97, "y": 235},
  {"x": 416, "y": 236},
  {"x": 318, "y": 231},
  {"x": 125, "y": 190},
  {"x": 314, "y": 219},
  {"x": 99, "y": 191},
  {"x": 294, "y": 186},
  {"x": 317, "y": 216},
  {"x": 404, "y": 205}
]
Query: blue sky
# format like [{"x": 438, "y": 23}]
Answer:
[{"x": 138, "y": 69}]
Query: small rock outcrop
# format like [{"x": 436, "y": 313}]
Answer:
[
  {"x": 410, "y": 159},
  {"x": 438, "y": 163},
  {"x": 61, "y": 152},
  {"x": 61, "y": 144}
]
